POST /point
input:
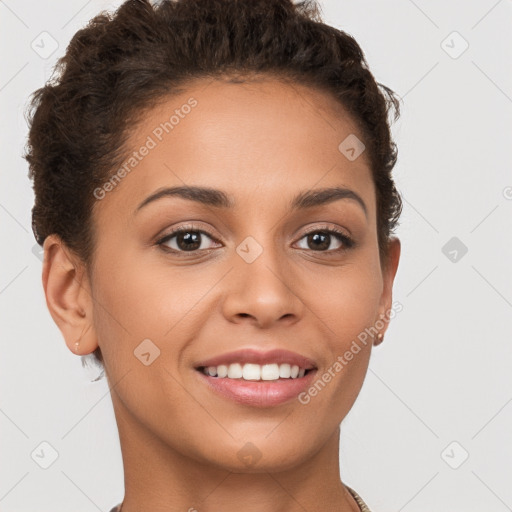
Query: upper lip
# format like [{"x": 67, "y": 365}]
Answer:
[{"x": 254, "y": 356}]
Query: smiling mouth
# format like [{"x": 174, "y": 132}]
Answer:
[{"x": 255, "y": 372}]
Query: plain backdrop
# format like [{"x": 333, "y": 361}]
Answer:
[{"x": 431, "y": 429}]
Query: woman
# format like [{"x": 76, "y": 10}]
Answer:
[{"x": 213, "y": 193}]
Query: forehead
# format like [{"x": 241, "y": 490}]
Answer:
[{"x": 267, "y": 136}]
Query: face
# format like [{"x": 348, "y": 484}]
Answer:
[{"x": 257, "y": 270}]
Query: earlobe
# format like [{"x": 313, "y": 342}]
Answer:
[{"x": 68, "y": 297}]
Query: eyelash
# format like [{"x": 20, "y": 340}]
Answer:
[{"x": 348, "y": 243}]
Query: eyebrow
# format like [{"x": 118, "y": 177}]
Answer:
[{"x": 219, "y": 199}]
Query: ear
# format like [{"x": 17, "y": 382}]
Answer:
[
  {"x": 388, "y": 275},
  {"x": 68, "y": 296}
]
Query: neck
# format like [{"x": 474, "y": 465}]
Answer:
[{"x": 160, "y": 479}]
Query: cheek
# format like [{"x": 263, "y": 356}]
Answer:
[
  {"x": 347, "y": 299},
  {"x": 133, "y": 294},
  {"x": 347, "y": 312},
  {"x": 136, "y": 299}
]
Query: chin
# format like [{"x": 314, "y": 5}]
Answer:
[{"x": 260, "y": 454}]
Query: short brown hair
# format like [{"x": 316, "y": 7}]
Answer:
[{"x": 122, "y": 63}]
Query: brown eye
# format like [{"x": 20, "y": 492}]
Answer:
[
  {"x": 321, "y": 240},
  {"x": 186, "y": 240}
]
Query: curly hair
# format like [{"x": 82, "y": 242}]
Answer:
[{"x": 125, "y": 62}]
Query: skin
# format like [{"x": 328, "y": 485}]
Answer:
[{"x": 262, "y": 143}]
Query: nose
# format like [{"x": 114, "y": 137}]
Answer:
[{"x": 263, "y": 292}]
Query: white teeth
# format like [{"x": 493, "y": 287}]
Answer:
[
  {"x": 250, "y": 371},
  {"x": 285, "y": 371},
  {"x": 270, "y": 372},
  {"x": 235, "y": 371},
  {"x": 222, "y": 370}
]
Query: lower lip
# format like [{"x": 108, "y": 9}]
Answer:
[{"x": 259, "y": 393}]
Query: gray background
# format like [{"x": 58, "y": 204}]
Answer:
[{"x": 438, "y": 389}]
